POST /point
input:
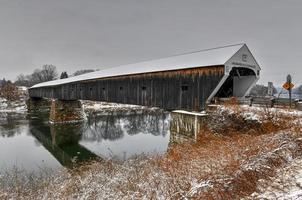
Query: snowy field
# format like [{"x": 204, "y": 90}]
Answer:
[
  {"x": 15, "y": 106},
  {"x": 18, "y": 106},
  {"x": 244, "y": 153},
  {"x": 287, "y": 184}
]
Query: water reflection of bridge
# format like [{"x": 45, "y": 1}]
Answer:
[{"x": 63, "y": 141}]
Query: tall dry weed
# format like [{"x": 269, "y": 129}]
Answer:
[{"x": 225, "y": 162}]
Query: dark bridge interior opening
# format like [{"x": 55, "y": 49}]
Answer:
[{"x": 239, "y": 80}]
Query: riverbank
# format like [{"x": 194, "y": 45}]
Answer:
[
  {"x": 12, "y": 106},
  {"x": 239, "y": 149}
]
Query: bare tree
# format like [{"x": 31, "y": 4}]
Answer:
[
  {"x": 83, "y": 71},
  {"x": 23, "y": 80},
  {"x": 47, "y": 73},
  {"x": 37, "y": 77}
]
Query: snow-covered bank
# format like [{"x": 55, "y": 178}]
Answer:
[
  {"x": 106, "y": 106},
  {"x": 95, "y": 108},
  {"x": 94, "y": 105},
  {"x": 15, "y": 106},
  {"x": 206, "y": 171},
  {"x": 256, "y": 113},
  {"x": 227, "y": 164},
  {"x": 287, "y": 184},
  {"x": 12, "y": 106}
]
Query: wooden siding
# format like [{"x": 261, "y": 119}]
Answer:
[{"x": 180, "y": 89}]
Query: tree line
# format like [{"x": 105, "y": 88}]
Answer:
[
  {"x": 46, "y": 73},
  {"x": 10, "y": 91}
]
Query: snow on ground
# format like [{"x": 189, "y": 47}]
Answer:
[
  {"x": 141, "y": 179},
  {"x": 16, "y": 109},
  {"x": 96, "y": 106},
  {"x": 3, "y": 103},
  {"x": 14, "y": 106},
  {"x": 203, "y": 113},
  {"x": 18, "y": 106},
  {"x": 256, "y": 113},
  {"x": 22, "y": 88},
  {"x": 292, "y": 112},
  {"x": 286, "y": 185}
]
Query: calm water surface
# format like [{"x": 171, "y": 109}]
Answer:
[{"x": 31, "y": 143}]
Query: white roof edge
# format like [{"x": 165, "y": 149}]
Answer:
[{"x": 203, "y": 58}]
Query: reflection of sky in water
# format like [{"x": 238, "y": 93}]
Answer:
[
  {"x": 128, "y": 146},
  {"x": 34, "y": 144},
  {"x": 23, "y": 150},
  {"x": 122, "y": 137}
]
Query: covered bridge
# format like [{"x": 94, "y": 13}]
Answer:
[{"x": 186, "y": 81}]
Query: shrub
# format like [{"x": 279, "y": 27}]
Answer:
[{"x": 10, "y": 92}]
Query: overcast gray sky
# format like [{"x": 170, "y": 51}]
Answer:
[{"x": 77, "y": 34}]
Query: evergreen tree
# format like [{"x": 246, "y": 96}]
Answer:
[{"x": 64, "y": 75}]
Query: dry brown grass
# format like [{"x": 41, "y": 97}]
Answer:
[
  {"x": 224, "y": 163},
  {"x": 10, "y": 92}
]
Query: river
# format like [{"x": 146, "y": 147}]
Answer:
[{"x": 30, "y": 142}]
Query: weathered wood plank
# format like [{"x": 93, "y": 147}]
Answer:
[{"x": 179, "y": 89}]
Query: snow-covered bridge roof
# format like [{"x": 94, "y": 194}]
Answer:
[{"x": 203, "y": 58}]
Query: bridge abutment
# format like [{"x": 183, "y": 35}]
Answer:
[
  {"x": 64, "y": 111},
  {"x": 186, "y": 125},
  {"x": 299, "y": 106}
]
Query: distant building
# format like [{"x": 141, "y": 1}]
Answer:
[{"x": 270, "y": 89}]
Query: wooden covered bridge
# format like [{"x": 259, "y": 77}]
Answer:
[{"x": 186, "y": 81}]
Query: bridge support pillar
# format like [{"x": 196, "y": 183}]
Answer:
[
  {"x": 299, "y": 106},
  {"x": 186, "y": 125},
  {"x": 66, "y": 111},
  {"x": 34, "y": 104}
]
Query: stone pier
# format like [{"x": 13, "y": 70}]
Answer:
[
  {"x": 65, "y": 111},
  {"x": 299, "y": 106},
  {"x": 34, "y": 104},
  {"x": 186, "y": 125}
]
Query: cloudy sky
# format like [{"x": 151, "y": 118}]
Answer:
[{"x": 77, "y": 34}]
